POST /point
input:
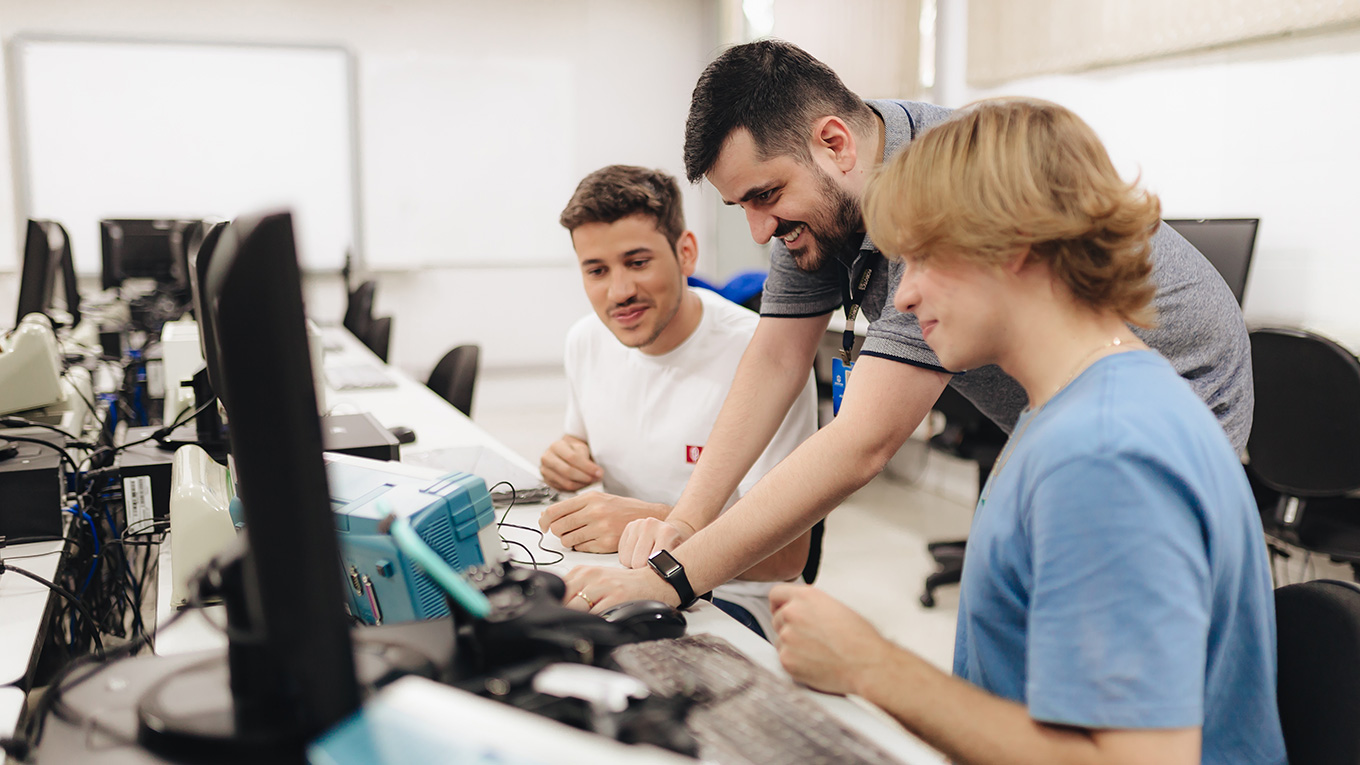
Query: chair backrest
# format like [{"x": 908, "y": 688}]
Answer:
[
  {"x": 1318, "y": 637},
  {"x": 359, "y": 309},
  {"x": 814, "y": 559},
  {"x": 1305, "y": 437},
  {"x": 379, "y": 337},
  {"x": 455, "y": 376}
]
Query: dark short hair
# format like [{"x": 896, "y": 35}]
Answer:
[
  {"x": 775, "y": 90},
  {"x": 618, "y": 191}
]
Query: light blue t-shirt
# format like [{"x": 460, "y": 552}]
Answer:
[{"x": 1116, "y": 575}]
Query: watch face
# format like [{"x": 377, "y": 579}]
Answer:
[{"x": 664, "y": 563}]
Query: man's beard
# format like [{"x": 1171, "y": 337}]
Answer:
[{"x": 841, "y": 232}]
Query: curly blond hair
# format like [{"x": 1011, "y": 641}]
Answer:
[{"x": 1004, "y": 174}]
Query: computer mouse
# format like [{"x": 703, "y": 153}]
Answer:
[
  {"x": 648, "y": 619},
  {"x": 403, "y": 434}
]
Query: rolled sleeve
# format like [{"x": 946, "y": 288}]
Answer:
[{"x": 791, "y": 292}]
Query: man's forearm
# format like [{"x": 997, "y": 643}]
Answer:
[
  {"x": 973, "y": 727},
  {"x": 885, "y": 402},
  {"x": 772, "y": 373}
]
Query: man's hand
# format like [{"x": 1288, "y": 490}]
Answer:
[
  {"x": 595, "y": 589},
  {"x": 822, "y": 643},
  {"x": 642, "y": 538},
  {"x": 592, "y": 522},
  {"x": 567, "y": 466}
]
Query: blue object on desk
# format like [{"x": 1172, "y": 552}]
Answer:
[{"x": 451, "y": 513}]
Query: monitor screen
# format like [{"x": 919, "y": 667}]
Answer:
[
  {"x": 47, "y": 262},
  {"x": 1227, "y": 243},
  {"x": 145, "y": 249}
]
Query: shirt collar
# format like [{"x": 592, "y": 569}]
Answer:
[{"x": 897, "y": 130}]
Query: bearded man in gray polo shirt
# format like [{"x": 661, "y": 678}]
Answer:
[{"x": 777, "y": 133}]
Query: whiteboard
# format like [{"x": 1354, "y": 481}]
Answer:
[{"x": 148, "y": 129}]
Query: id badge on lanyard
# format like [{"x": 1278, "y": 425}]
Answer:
[{"x": 841, "y": 367}]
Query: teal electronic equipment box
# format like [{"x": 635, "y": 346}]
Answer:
[{"x": 451, "y": 511}]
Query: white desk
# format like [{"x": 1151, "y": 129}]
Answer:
[
  {"x": 438, "y": 425},
  {"x": 11, "y": 705},
  {"x": 23, "y": 605}
]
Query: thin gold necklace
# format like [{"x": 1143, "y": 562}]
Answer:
[{"x": 1015, "y": 437}]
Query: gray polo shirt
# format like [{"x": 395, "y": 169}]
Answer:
[{"x": 1199, "y": 325}]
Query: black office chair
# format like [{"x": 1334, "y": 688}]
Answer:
[
  {"x": 455, "y": 376},
  {"x": 1318, "y": 644},
  {"x": 968, "y": 434},
  {"x": 379, "y": 337},
  {"x": 374, "y": 332},
  {"x": 1304, "y": 448},
  {"x": 359, "y": 309}
]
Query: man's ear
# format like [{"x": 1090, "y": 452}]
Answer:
[
  {"x": 1019, "y": 259},
  {"x": 687, "y": 252},
  {"x": 834, "y": 139}
]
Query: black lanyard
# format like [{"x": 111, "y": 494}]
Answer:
[{"x": 851, "y": 302}]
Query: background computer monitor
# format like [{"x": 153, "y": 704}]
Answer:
[
  {"x": 145, "y": 249},
  {"x": 202, "y": 243},
  {"x": 1226, "y": 242},
  {"x": 47, "y": 261}
]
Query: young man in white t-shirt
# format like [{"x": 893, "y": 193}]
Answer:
[{"x": 648, "y": 374}]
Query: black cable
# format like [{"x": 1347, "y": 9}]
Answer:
[
  {"x": 20, "y": 422},
  {"x": 6, "y": 541},
  {"x": 51, "y": 700},
  {"x": 65, "y": 593},
  {"x": 532, "y": 561},
  {"x": 162, "y": 432},
  {"x": 541, "y": 536}
]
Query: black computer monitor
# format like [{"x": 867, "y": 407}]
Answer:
[
  {"x": 200, "y": 250},
  {"x": 1227, "y": 243},
  {"x": 47, "y": 261},
  {"x": 143, "y": 248},
  {"x": 253, "y": 291}
]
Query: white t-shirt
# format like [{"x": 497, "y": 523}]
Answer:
[{"x": 646, "y": 418}]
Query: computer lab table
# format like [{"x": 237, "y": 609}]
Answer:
[{"x": 439, "y": 426}]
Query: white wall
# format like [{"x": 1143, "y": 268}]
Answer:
[
  {"x": 631, "y": 66},
  {"x": 1257, "y": 130}
]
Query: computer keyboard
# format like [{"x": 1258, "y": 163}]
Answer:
[
  {"x": 358, "y": 377},
  {"x": 744, "y": 713}
]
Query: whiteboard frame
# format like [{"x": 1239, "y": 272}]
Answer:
[{"x": 19, "y": 118}]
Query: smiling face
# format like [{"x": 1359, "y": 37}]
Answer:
[
  {"x": 636, "y": 282},
  {"x": 797, "y": 201},
  {"x": 961, "y": 306}
]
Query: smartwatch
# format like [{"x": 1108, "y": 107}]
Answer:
[{"x": 667, "y": 567}]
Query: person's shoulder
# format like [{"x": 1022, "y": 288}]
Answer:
[
  {"x": 725, "y": 317},
  {"x": 586, "y": 336},
  {"x": 1134, "y": 403},
  {"x": 922, "y": 115}
]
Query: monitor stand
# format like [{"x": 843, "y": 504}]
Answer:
[{"x": 215, "y": 706}]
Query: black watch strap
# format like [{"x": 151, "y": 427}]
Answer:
[{"x": 667, "y": 567}]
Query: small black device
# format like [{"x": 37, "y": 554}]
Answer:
[
  {"x": 31, "y": 484},
  {"x": 403, "y": 434},
  {"x": 667, "y": 567},
  {"x": 648, "y": 619},
  {"x": 360, "y": 435}
]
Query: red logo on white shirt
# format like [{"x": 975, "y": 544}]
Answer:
[{"x": 692, "y": 453}]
